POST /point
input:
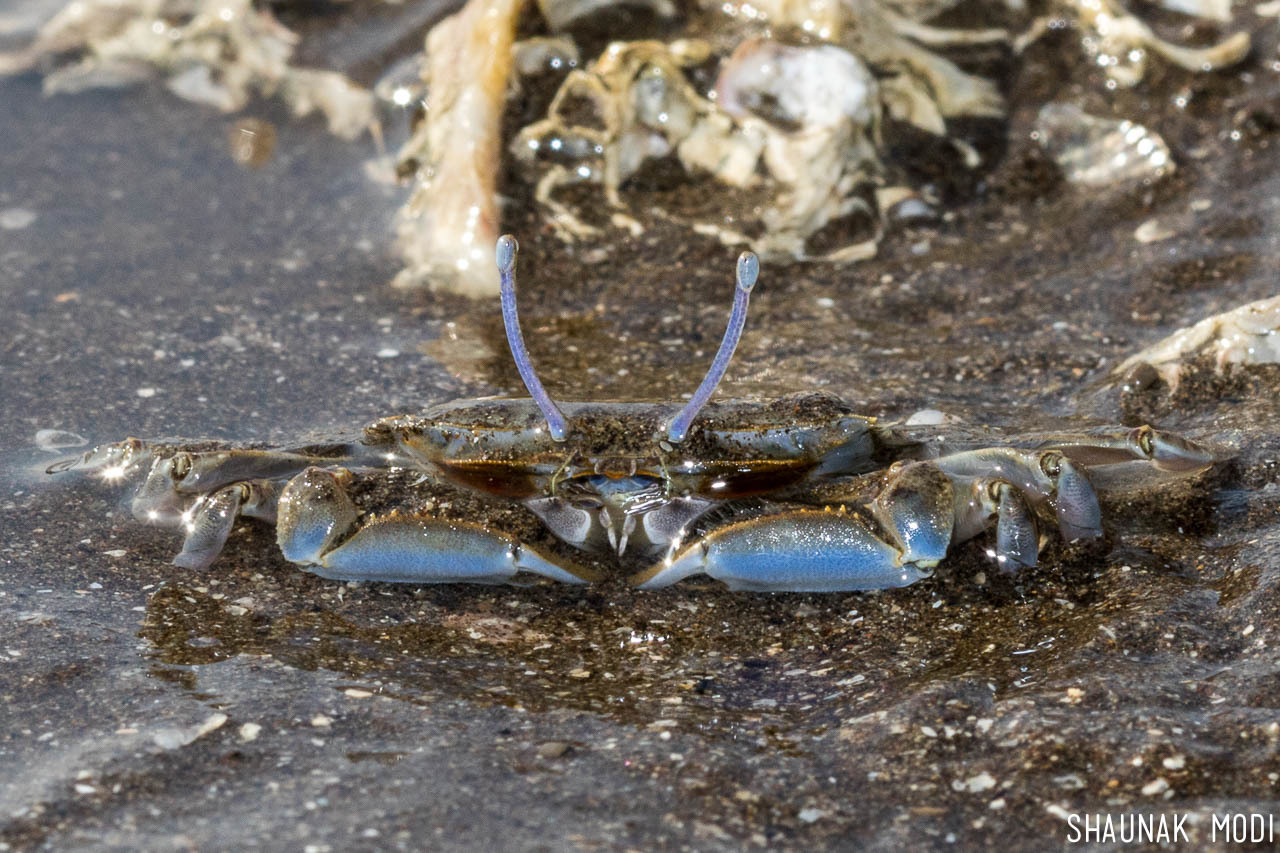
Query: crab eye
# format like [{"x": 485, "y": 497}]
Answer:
[
  {"x": 505, "y": 255},
  {"x": 180, "y": 467},
  {"x": 1051, "y": 463},
  {"x": 1145, "y": 438},
  {"x": 747, "y": 273}
]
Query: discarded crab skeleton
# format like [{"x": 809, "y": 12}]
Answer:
[{"x": 796, "y": 494}]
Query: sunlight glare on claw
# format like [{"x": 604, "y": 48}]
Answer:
[
  {"x": 115, "y": 472},
  {"x": 152, "y": 515}
]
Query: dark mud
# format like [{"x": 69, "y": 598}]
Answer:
[{"x": 161, "y": 290}]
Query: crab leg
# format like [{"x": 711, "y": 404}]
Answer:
[
  {"x": 505, "y": 255},
  {"x": 981, "y": 499},
  {"x": 111, "y": 461},
  {"x": 1044, "y": 478},
  {"x": 1142, "y": 457},
  {"x": 173, "y": 479},
  {"x": 209, "y": 520},
  {"x": 319, "y": 527}
]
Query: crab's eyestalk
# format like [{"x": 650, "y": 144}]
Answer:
[
  {"x": 748, "y": 271},
  {"x": 506, "y": 257}
]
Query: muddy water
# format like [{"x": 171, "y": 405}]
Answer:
[{"x": 158, "y": 289}]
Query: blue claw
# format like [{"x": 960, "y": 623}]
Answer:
[
  {"x": 792, "y": 551},
  {"x": 410, "y": 549},
  {"x": 317, "y": 527}
]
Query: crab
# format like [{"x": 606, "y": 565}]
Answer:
[{"x": 795, "y": 494}]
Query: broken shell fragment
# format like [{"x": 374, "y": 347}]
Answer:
[
  {"x": 450, "y": 223},
  {"x": 820, "y": 119},
  {"x": 1120, "y": 43},
  {"x": 214, "y": 52},
  {"x": 1100, "y": 152},
  {"x": 540, "y": 55},
  {"x": 1249, "y": 334}
]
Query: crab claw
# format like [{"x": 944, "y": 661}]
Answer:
[
  {"x": 798, "y": 550},
  {"x": 318, "y": 527},
  {"x": 917, "y": 508}
]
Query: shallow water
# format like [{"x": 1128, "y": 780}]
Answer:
[{"x": 161, "y": 290}]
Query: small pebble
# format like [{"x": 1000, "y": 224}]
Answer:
[
  {"x": 1152, "y": 231},
  {"x": 984, "y": 781},
  {"x": 146, "y": 392},
  {"x": 1142, "y": 376},
  {"x": 388, "y": 352},
  {"x": 249, "y": 731},
  {"x": 251, "y": 142},
  {"x": 553, "y": 749},
  {"x": 214, "y": 721},
  {"x": 1158, "y": 786},
  {"x": 912, "y": 211},
  {"x": 16, "y": 218},
  {"x": 931, "y": 417},
  {"x": 321, "y": 721}
]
